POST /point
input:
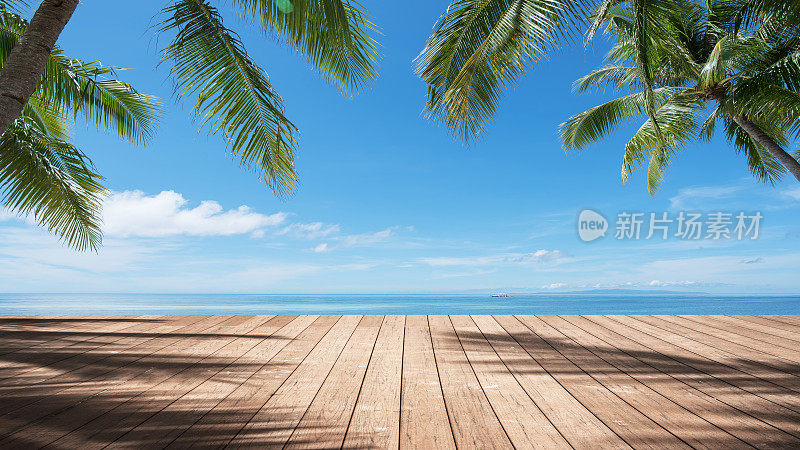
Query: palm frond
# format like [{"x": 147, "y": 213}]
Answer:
[
  {"x": 678, "y": 120},
  {"x": 753, "y": 11},
  {"x": 762, "y": 164},
  {"x": 778, "y": 69},
  {"x": 766, "y": 103},
  {"x": 600, "y": 16},
  {"x": 89, "y": 89},
  {"x": 234, "y": 96},
  {"x": 592, "y": 125},
  {"x": 14, "y": 5},
  {"x": 52, "y": 181},
  {"x": 48, "y": 117},
  {"x": 642, "y": 30},
  {"x": 709, "y": 125},
  {"x": 335, "y": 35},
  {"x": 714, "y": 69},
  {"x": 478, "y": 48},
  {"x": 618, "y": 77}
]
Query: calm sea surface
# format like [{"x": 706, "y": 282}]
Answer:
[{"x": 392, "y": 304}]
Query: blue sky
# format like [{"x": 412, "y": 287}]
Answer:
[{"x": 389, "y": 201}]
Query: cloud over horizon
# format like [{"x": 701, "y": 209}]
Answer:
[{"x": 136, "y": 214}]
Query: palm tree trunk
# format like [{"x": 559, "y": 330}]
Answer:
[
  {"x": 26, "y": 63},
  {"x": 769, "y": 144}
]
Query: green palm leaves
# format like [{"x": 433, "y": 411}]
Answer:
[
  {"x": 705, "y": 61},
  {"x": 480, "y": 47},
  {"x": 51, "y": 180},
  {"x": 234, "y": 97},
  {"x": 671, "y": 59},
  {"x": 335, "y": 36},
  {"x": 42, "y": 175}
]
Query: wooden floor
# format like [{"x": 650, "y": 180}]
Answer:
[{"x": 400, "y": 381}]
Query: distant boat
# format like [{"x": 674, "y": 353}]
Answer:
[{"x": 500, "y": 294}]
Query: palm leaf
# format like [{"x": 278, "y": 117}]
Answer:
[
  {"x": 53, "y": 182},
  {"x": 592, "y": 125},
  {"x": 616, "y": 76},
  {"x": 762, "y": 164},
  {"x": 480, "y": 47},
  {"x": 234, "y": 96},
  {"x": 678, "y": 120},
  {"x": 335, "y": 35},
  {"x": 48, "y": 117},
  {"x": 89, "y": 89}
]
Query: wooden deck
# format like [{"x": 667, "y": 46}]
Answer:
[{"x": 400, "y": 381}]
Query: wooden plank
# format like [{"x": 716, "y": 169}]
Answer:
[
  {"x": 572, "y": 419},
  {"x": 30, "y": 357},
  {"x": 148, "y": 394},
  {"x": 779, "y": 379},
  {"x": 79, "y": 364},
  {"x": 233, "y": 364},
  {"x": 423, "y": 420},
  {"x": 630, "y": 424},
  {"x": 473, "y": 421},
  {"x": 788, "y": 320},
  {"x": 220, "y": 425},
  {"x": 274, "y": 423},
  {"x": 788, "y": 330},
  {"x": 745, "y": 352},
  {"x": 22, "y": 331},
  {"x": 739, "y": 343},
  {"x": 104, "y": 413},
  {"x": 753, "y": 333},
  {"x": 46, "y": 398},
  {"x": 729, "y": 421},
  {"x": 584, "y": 382},
  {"x": 63, "y": 332},
  {"x": 722, "y": 382},
  {"x": 375, "y": 422},
  {"x": 763, "y": 330},
  {"x": 685, "y": 425},
  {"x": 523, "y": 421},
  {"x": 325, "y": 422}
]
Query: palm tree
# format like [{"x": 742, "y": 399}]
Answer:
[
  {"x": 705, "y": 63},
  {"x": 232, "y": 96},
  {"x": 479, "y": 48},
  {"x": 44, "y": 176}
]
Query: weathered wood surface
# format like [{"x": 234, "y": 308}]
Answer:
[{"x": 400, "y": 381}]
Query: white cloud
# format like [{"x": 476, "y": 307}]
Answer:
[
  {"x": 658, "y": 283},
  {"x": 6, "y": 214},
  {"x": 354, "y": 240},
  {"x": 133, "y": 213},
  {"x": 314, "y": 230},
  {"x": 793, "y": 193},
  {"x": 554, "y": 286},
  {"x": 321, "y": 248},
  {"x": 689, "y": 196},
  {"x": 538, "y": 256}
]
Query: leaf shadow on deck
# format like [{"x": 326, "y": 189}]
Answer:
[
  {"x": 660, "y": 371},
  {"x": 83, "y": 395},
  {"x": 75, "y": 395}
]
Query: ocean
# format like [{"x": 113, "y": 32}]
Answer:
[{"x": 393, "y": 304}]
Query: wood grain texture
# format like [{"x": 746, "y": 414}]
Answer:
[{"x": 400, "y": 381}]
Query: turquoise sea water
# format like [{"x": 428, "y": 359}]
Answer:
[{"x": 392, "y": 304}]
